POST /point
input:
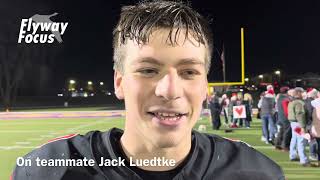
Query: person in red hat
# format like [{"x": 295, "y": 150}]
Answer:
[{"x": 266, "y": 113}]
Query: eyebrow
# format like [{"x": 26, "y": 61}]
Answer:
[
  {"x": 186, "y": 61},
  {"x": 190, "y": 61},
  {"x": 149, "y": 60}
]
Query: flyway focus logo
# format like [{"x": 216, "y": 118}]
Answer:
[{"x": 30, "y": 27}]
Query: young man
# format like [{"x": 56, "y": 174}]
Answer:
[{"x": 162, "y": 53}]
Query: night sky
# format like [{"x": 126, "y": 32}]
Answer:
[{"x": 278, "y": 35}]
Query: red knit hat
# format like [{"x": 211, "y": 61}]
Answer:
[
  {"x": 270, "y": 91},
  {"x": 311, "y": 92},
  {"x": 310, "y": 89}
]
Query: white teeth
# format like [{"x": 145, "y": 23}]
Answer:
[{"x": 168, "y": 116}]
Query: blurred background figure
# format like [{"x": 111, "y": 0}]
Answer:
[
  {"x": 247, "y": 101},
  {"x": 239, "y": 102},
  {"x": 233, "y": 102},
  {"x": 267, "y": 106},
  {"x": 315, "y": 126},
  {"x": 215, "y": 109},
  {"x": 224, "y": 106},
  {"x": 311, "y": 94},
  {"x": 297, "y": 118},
  {"x": 282, "y": 141}
]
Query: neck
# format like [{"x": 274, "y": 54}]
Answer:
[{"x": 138, "y": 148}]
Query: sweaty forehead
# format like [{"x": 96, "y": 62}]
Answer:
[{"x": 159, "y": 47}]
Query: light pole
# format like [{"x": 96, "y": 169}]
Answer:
[
  {"x": 72, "y": 85},
  {"x": 278, "y": 73},
  {"x": 90, "y": 86},
  {"x": 261, "y": 77}
]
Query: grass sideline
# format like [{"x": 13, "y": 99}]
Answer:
[{"x": 21, "y": 136}]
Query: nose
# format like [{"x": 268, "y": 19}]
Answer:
[{"x": 169, "y": 86}]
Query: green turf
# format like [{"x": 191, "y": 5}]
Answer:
[{"x": 38, "y": 131}]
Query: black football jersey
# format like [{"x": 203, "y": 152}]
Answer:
[{"x": 211, "y": 158}]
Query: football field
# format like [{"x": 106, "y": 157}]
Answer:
[{"x": 20, "y": 133}]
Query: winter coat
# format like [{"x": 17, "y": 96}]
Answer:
[
  {"x": 297, "y": 113},
  {"x": 267, "y": 105},
  {"x": 315, "y": 126}
]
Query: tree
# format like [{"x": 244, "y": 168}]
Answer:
[{"x": 19, "y": 60}]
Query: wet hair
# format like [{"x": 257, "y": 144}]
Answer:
[{"x": 138, "y": 22}]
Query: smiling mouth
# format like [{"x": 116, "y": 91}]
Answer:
[{"x": 168, "y": 118}]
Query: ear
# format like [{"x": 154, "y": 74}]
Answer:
[{"x": 118, "y": 84}]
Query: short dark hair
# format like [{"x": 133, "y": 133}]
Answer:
[{"x": 139, "y": 21}]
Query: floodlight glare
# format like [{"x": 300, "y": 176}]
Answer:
[
  {"x": 72, "y": 81},
  {"x": 277, "y": 72},
  {"x": 89, "y": 82}
]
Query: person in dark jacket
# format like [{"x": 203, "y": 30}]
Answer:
[
  {"x": 215, "y": 110},
  {"x": 282, "y": 141},
  {"x": 267, "y": 111},
  {"x": 162, "y": 53}
]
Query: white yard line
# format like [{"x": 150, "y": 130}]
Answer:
[
  {"x": 263, "y": 147},
  {"x": 23, "y": 143},
  {"x": 46, "y": 136},
  {"x": 59, "y": 122},
  {"x": 35, "y": 139},
  {"x": 84, "y": 126},
  {"x": 17, "y": 147},
  {"x": 24, "y": 131},
  {"x": 302, "y": 169},
  {"x": 49, "y": 134}
]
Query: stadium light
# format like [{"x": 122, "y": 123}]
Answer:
[
  {"x": 277, "y": 72},
  {"x": 261, "y": 76},
  {"x": 101, "y": 83},
  {"x": 72, "y": 81},
  {"x": 89, "y": 82},
  {"x": 246, "y": 79}
]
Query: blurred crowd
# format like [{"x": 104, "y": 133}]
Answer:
[
  {"x": 290, "y": 119},
  {"x": 225, "y": 106}
]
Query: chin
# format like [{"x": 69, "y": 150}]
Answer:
[{"x": 170, "y": 139}]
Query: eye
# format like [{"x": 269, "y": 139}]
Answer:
[
  {"x": 148, "y": 72},
  {"x": 189, "y": 73}
]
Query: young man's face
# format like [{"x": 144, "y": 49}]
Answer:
[{"x": 163, "y": 87}]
